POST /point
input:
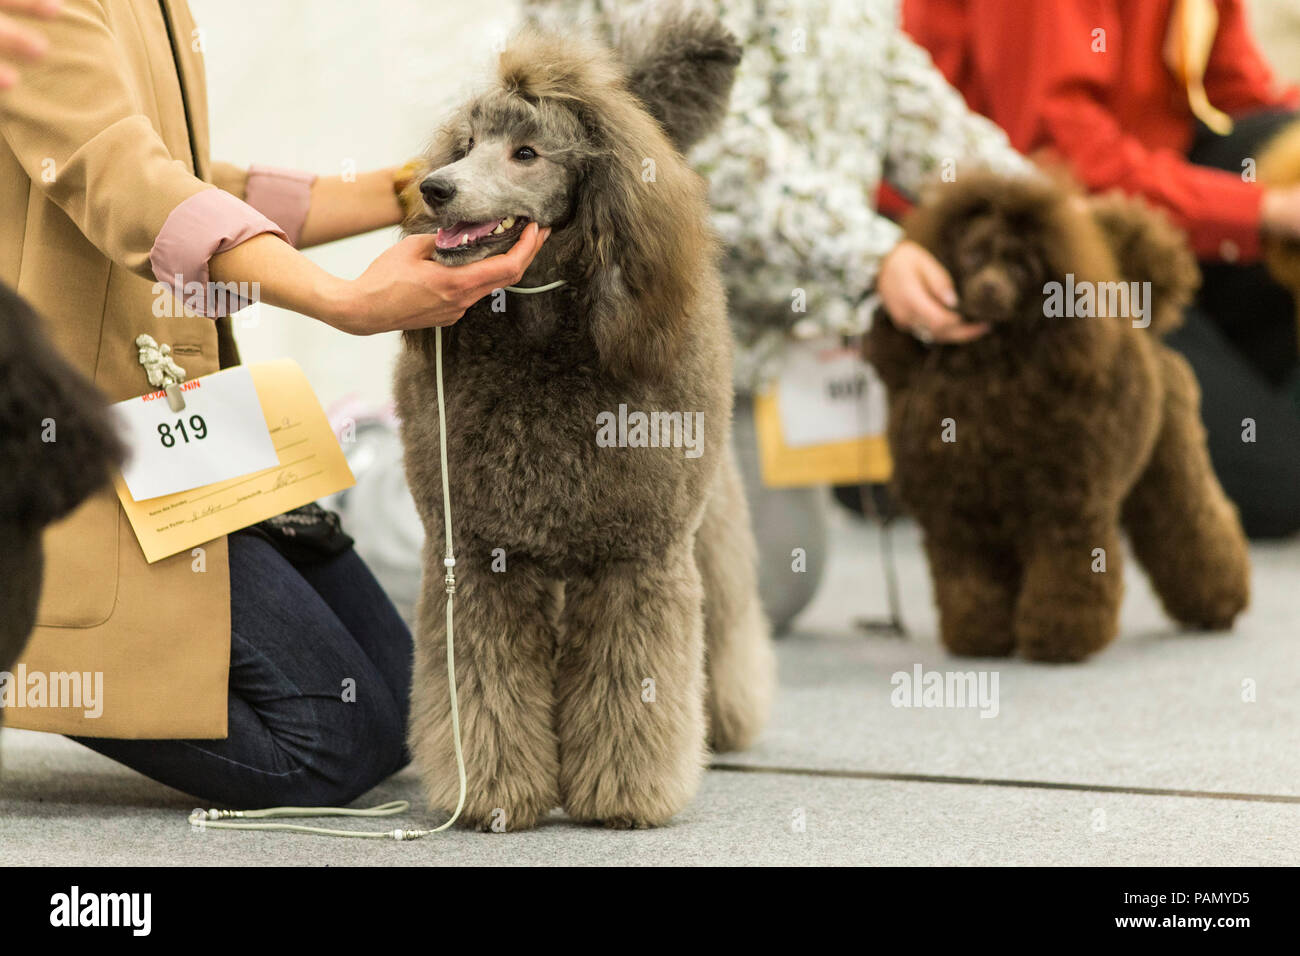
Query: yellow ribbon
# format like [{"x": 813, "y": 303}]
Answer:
[{"x": 1192, "y": 27}]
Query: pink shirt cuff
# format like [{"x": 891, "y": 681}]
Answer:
[
  {"x": 208, "y": 223},
  {"x": 282, "y": 195}
]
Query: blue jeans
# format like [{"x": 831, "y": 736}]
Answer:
[{"x": 320, "y": 675}]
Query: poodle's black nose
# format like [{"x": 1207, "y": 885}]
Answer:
[{"x": 437, "y": 190}]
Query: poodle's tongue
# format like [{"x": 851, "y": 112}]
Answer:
[{"x": 455, "y": 236}]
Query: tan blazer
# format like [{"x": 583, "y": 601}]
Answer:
[{"x": 101, "y": 141}]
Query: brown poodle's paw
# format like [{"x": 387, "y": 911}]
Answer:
[
  {"x": 971, "y": 640},
  {"x": 1068, "y": 636},
  {"x": 1212, "y": 608},
  {"x": 975, "y": 616}
]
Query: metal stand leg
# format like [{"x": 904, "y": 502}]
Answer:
[{"x": 891, "y": 626}]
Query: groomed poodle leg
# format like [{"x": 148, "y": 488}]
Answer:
[
  {"x": 505, "y": 646},
  {"x": 739, "y": 660},
  {"x": 975, "y": 589},
  {"x": 1067, "y": 610},
  {"x": 630, "y": 691},
  {"x": 1182, "y": 527}
]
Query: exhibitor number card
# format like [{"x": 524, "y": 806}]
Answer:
[
  {"x": 307, "y": 463},
  {"x": 220, "y": 434}
]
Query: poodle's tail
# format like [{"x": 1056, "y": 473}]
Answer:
[{"x": 1151, "y": 250}]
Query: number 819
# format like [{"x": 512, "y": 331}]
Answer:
[{"x": 197, "y": 425}]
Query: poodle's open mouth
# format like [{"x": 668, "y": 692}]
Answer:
[{"x": 471, "y": 236}]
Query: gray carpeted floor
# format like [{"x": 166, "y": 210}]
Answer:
[{"x": 1147, "y": 754}]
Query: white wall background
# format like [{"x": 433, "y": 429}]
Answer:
[{"x": 313, "y": 84}]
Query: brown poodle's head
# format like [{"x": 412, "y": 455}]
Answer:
[
  {"x": 1004, "y": 239},
  {"x": 587, "y": 140}
]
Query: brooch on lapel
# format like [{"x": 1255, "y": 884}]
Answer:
[{"x": 162, "y": 370}]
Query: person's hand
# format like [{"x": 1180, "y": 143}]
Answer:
[
  {"x": 1280, "y": 212},
  {"x": 918, "y": 294},
  {"x": 20, "y": 43},
  {"x": 405, "y": 289}
]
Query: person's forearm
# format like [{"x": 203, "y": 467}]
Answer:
[
  {"x": 283, "y": 276},
  {"x": 348, "y": 207},
  {"x": 402, "y": 289}
]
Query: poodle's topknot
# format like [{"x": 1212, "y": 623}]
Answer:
[{"x": 677, "y": 58}]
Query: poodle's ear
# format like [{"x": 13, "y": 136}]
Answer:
[
  {"x": 57, "y": 442},
  {"x": 1150, "y": 249},
  {"x": 640, "y": 230},
  {"x": 681, "y": 63}
]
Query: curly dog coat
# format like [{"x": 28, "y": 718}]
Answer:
[
  {"x": 1023, "y": 453},
  {"x": 608, "y": 621},
  {"x": 57, "y": 445}
]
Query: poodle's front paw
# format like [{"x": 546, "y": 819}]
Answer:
[
  {"x": 1065, "y": 637},
  {"x": 977, "y": 639},
  {"x": 625, "y": 823},
  {"x": 1212, "y": 605},
  {"x": 497, "y": 815},
  {"x": 624, "y": 811},
  {"x": 633, "y": 799},
  {"x": 497, "y": 799}
]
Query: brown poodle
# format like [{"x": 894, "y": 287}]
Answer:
[
  {"x": 608, "y": 627},
  {"x": 1023, "y": 453}
]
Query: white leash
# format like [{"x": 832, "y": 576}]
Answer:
[
  {"x": 535, "y": 289},
  {"x": 236, "y": 819}
]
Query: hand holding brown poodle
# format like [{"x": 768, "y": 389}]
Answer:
[{"x": 917, "y": 293}]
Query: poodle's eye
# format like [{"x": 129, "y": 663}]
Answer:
[
  {"x": 468, "y": 148},
  {"x": 525, "y": 153}
]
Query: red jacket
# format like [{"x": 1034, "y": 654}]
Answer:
[{"x": 1119, "y": 117}]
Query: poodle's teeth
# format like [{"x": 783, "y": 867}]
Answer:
[
  {"x": 501, "y": 227},
  {"x": 507, "y": 223},
  {"x": 464, "y": 240}
]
